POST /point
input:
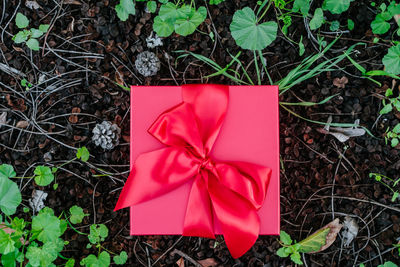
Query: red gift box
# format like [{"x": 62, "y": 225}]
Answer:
[{"x": 249, "y": 133}]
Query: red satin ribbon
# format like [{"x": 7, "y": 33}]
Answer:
[{"x": 230, "y": 192}]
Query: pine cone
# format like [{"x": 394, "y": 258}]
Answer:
[
  {"x": 147, "y": 63},
  {"x": 106, "y": 135}
]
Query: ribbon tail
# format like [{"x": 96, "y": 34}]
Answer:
[
  {"x": 156, "y": 173},
  {"x": 239, "y": 220},
  {"x": 199, "y": 218}
]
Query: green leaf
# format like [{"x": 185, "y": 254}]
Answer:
[
  {"x": 36, "y": 33},
  {"x": 46, "y": 226},
  {"x": 10, "y": 196},
  {"x": 388, "y": 264},
  {"x": 395, "y": 196},
  {"x": 43, "y": 256},
  {"x": 282, "y": 253},
  {"x": 248, "y": 34},
  {"x": 301, "y": 46},
  {"x": 396, "y": 128},
  {"x": 83, "y": 154},
  {"x": 33, "y": 44},
  {"x": 21, "y": 21},
  {"x": 70, "y": 263},
  {"x": 285, "y": 238},
  {"x": 317, "y": 20},
  {"x": 121, "y": 258},
  {"x": 10, "y": 259},
  {"x": 124, "y": 8},
  {"x": 386, "y": 109},
  {"x": 98, "y": 233},
  {"x": 44, "y": 28},
  {"x": 163, "y": 28},
  {"x": 7, "y": 171},
  {"x": 379, "y": 25},
  {"x": 295, "y": 257},
  {"x": 6, "y": 243},
  {"x": 301, "y": 5},
  {"x": 191, "y": 19},
  {"x": 44, "y": 175},
  {"x": 394, "y": 142},
  {"x": 168, "y": 12},
  {"x": 314, "y": 242},
  {"x": 334, "y": 25},
  {"x": 336, "y": 6},
  {"x": 102, "y": 261},
  {"x": 216, "y": 2},
  {"x": 21, "y": 36},
  {"x": 77, "y": 214},
  {"x": 350, "y": 24},
  {"x": 151, "y": 6},
  {"x": 392, "y": 60}
]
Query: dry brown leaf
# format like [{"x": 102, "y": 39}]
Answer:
[
  {"x": 72, "y": 2},
  {"x": 209, "y": 262},
  {"x": 22, "y": 124},
  {"x": 335, "y": 226},
  {"x": 340, "y": 82},
  {"x": 181, "y": 262}
]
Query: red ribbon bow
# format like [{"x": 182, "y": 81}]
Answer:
[{"x": 231, "y": 192}]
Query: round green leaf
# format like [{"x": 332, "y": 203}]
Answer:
[
  {"x": 21, "y": 21},
  {"x": 33, "y": 44},
  {"x": 77, "y": 214},
  {"x": 7, "y": 171},
  {"x": 168, "y": 11},
  {"x": 336, "y": 6},
  {"x": 379, "y": 25},
  {"x": 124, "y": 8},
  {"x": 151, "y": 6},
  {"x": 46, "y": 227},
  {"x": 36, "y": 33},
  {"x": 121, "y": 258},
  {"x": 83, "y": 154},
  {"x": 163, "y": 28},
  {"x": 392, "y": 60},
  {"x": 44, "y": 27},
  {"x": 10, "y": 196},
  {"x": 44, "y": 175},
  {"x": 248, "y": 34},
  {"x": 21, "y": 36}
]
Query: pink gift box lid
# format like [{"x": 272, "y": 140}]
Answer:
[{"x": 250, "y": 133}]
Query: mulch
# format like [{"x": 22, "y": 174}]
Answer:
[{"x": 89, "y": 49}]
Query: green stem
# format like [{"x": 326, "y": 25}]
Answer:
[{"x": 257, "y": 69}]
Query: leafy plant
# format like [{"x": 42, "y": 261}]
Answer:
[
  {"x": 380, "y": 25},
  {"x": 384, "y": 180},
  {"x": 388, "y": 264},
  {"x": 28, "y": 36}
]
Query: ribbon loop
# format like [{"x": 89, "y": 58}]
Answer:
[{"x": 230, "y": 192}]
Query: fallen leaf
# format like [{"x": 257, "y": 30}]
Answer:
[
  {"x": 22, "y": 124},
  {"x": 181, "y": 262},
  {"x": 334, "y": 227},
  {"x": 72, "y": 2},
  {"x": 350, "y": 230},
  {"x": 209, "y": 262},
  {"x": 32, "y": 5},
  {"x": 341, "y": 133},
  {"x": 340, "y": 82}
]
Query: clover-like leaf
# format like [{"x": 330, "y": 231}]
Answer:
[
  {"x": 21, "y": 36},
  {"x": 336, "y": 6},
  {"x": 121, "y": 258},
  {"x": 6, "y": 243},
  {"x": 83, "y": 154},
  {"x": 10, "y": 196},
  {"x": 189, "y": 19},
  {"x": 248, "y": 34},
  {"x": 379, "y": 25},
  {"x": 163, "y": 28},
  {"x": 391, "y": 60},
  {"x": 7, "y": 171},
  {"x": 124, "y": 8},
  {"x": 77, "y": 214},
  {"x": 98, "y": 233},
  {"x": 44, "y": 175},
  {"x": 301, "y": 5},
  {"x": 92, "y": 261},
  {"x": 21, "y": 20},
  {"x": 151, "y": 6}
]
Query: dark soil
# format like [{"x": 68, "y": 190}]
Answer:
[{"x": 88, "y": 49}]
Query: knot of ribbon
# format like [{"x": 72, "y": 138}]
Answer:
[{"x": 229, "y": 192}]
